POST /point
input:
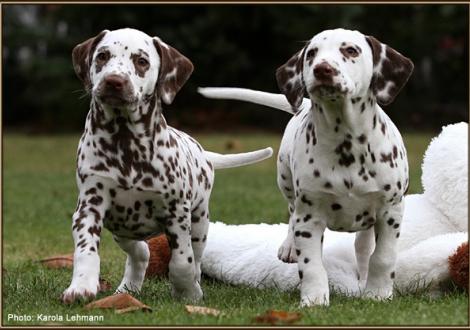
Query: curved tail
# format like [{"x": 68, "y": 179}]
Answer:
[
  {"x": 234, "y": 160},
  {"x": 277, "y": 101}
]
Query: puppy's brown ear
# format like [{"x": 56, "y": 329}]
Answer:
[
  {"x": 175, "y": 70},
  {"x": 290, "y": 79},
  {"x": 391, "y": 71},
  {"x": 82, "y": 55}
]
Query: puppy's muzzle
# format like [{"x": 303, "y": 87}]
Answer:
[
  {"x": 325, "y": 73},
  {"x": 325, "y": 83},
  {"x": 116, "y": 90}
]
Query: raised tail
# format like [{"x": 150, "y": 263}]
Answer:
[
  {"x": 277, "y": 101},
  {"x": 235, "y": 160}
]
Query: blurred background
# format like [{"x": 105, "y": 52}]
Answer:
[{"x": 230, "y": 45}]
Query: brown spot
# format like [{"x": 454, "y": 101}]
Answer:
[
  {"x": 306, "y": 201},
  {"x": 292, "y": 87},
  {"x": 147, "y": 182},
  {"x": 395, "y": 69},
  {"x": 171, "y": 60},
  {"x": 336, "y": 206},
  {"x": 350, "y": 52},
  {"x": 362, "y": 138},
  {"x": 141, "y": 64},
  {"x": 305, "y": 234}
]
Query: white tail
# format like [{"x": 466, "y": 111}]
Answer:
[
  {"x": 277, "y": 101},
  {"x": 234, "y": 160}
]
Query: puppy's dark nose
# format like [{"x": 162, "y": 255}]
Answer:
[
  {"x": 324, "y": 71},
  {"x": 115, "y": 82}
]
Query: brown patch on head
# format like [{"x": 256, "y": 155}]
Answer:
[
  {"x": 376, "y": 48},
  {"x": 82, "y": 55},
  {"x": 290, "y": 79},
  {"x": 310, "y": 56},
  {"x": 391, "y": 71},
  {"x": 175, "y": 70},
  {"x": 350, "y": 51},
  {"x": 141, "y": 64},
  {"x": 102, "y": 58}
]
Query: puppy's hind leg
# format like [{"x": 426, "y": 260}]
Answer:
[
  {"x": 182, "y": 271},
  {"x": 287, "y": 251},
  {"x": 199, "y": 229},
  {"x": 364, "y": 245},
  {"x": 136, "y": 264}
]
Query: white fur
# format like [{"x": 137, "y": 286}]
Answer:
[{"x": 448, "y": 190}]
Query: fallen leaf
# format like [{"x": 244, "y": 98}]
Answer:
[
  {"x": 122, "y": 302},
  {"x": 105, "y": 285},
  {"x": 201, "y": 310},
  {"x": 274, "y": 317},
  {"x": 61, "y": 261},
  {"x": 127, "y": 310}
]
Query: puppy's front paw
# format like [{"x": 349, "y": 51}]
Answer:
[
  {"x": 379, "y": 293},
  {"x": 362, "y": 285},
  {"x": 80, "y": 290},
  {"x": 193, "y": 294},
  {"x": 286, "y": 252},
  {"x": 321, "y": 299},
  {"x": 127, "y": 287}
]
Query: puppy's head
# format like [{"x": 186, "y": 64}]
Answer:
[
  {"x": 124, "y": 67},
  {"x": 336, "y": 64}
]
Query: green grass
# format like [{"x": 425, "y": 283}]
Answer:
[{"x": 39, "y": 197}]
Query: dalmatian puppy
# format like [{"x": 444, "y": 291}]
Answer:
[
  {"x": 342, "y": 163},
  {"x": 136, "y": 175}
]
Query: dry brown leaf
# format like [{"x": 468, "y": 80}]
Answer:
[
  {"x": 120, "y": 301},
  {"x": 274, "y": 317},
  {"x": 105, "y": 285},
  {"x": 127, "y": 310},
  {"x": 201, "y": 310},
  {"x": 60, "y": 261}
]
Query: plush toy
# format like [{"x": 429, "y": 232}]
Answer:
[
  {"x": 433, "y": 228},
  {"x": 458, "y": 266},
  {"x": 159, "y": 256}
]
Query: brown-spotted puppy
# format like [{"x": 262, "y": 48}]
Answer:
[
  {"x": 342, "y": 163},
  {"x": 136, "y": 175}
]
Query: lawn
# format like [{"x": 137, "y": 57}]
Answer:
[{"x": 39, "y": 196}]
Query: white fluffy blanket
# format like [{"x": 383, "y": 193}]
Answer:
[{"x": 434, "y": 225}]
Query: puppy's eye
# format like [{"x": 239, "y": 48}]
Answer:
[
  {"x": 102, "y": 56},
  {"x": 311, "y": 53},
  {"x": 352, "y": 51},
  {"x": 142, "y": 61}
]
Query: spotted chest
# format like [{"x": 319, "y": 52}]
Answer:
[
  {"x": 142, "y": 181},
  {"x": 347, "y": 177},
  {"x": 135, "y": 214}
]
